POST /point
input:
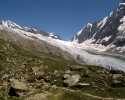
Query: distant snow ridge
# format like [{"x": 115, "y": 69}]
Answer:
[{"x": 12, "y": 26}]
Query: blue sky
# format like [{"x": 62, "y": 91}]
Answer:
[{"x": 64, "y": 17}]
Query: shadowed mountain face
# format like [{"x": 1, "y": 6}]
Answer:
[{"x": 109, "y": 30}]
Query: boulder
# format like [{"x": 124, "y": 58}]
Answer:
[
  {"x": 17, "y": 88},
  {"x": 71, "y": 80}
]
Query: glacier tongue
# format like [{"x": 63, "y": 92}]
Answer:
[{"x": 76, "y": 51}]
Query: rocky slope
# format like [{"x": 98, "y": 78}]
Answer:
[
  {"x": 25, "y": 75},
  {"x": 108, "y": 32}
]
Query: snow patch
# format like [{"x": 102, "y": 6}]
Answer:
[
  {"x": 121, "y": 4},
  {"x": 106, "y": 38},
  {"x": 111, "y": 13},
  {"x": 79, "y": 33},
  {"x": 122, "y": 26},
  {"x": 52, "y": 35},
  {"x": 102, "y": 22},
  {"x": 89, "y": 25}
]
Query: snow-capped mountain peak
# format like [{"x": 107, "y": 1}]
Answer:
[
  {"x": 13, "y": 25},
  {"x": 89, "y": 25}
]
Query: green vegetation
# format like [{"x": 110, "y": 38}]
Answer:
[{"x": 43, "y": 71}]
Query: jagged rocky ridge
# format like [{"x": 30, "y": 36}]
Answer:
[{"x": 110, "y": 31}]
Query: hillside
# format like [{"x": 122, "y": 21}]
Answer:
[{"x": 25, "y": 75}]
